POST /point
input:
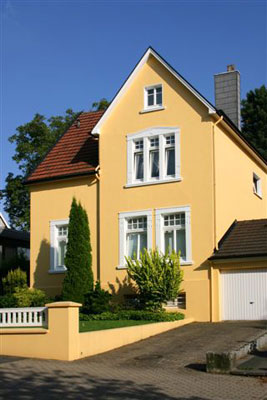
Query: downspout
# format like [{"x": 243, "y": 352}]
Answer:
[
  {"x": 214, "y": 219},
  {"x": 97, "y": 176},
  {"x": 214, "y": 183}
]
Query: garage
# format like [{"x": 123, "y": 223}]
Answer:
[
  {"x": 239, "y": 273},
  {"x": 244, "y": 294}
]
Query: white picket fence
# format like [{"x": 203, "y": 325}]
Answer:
[{"x": 19, "y": 317}]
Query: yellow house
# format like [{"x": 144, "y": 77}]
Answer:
[{"x": 160, "y": 167}]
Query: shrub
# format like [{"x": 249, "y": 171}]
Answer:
[
  {"x": 29, "y": 297},
  {"x": 97, "y": 301},
  {"x": 14, "y": 279},
  {"x": 8, "y": 301},
  {"x": 157, "y": 276},
  {"x": 79, "y": 276},
  {"x": 137, "y": 315}
]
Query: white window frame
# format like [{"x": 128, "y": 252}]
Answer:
[
  {"x": 257, "y": 189},
  {"x": 146, "y": 135},
  {"x": 155, "y": 106},
  {"x": 160, "y": 213},
  {"x": 54, "y": 225},
  {"x": 123, "y": 218}
]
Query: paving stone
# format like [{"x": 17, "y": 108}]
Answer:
[{"x": 170, "y": 366}]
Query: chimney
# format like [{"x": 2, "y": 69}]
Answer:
[{"x": 227, "y": 93}]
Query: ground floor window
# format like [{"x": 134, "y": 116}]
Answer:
[
  {"x": 135, "y": 230},
  {"x": 58, "y": 244},
  {"x": 173, "y": 231}
]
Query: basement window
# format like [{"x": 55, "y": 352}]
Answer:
[
  {"x": 180, "y": 302},
  {"x": 257, "y": 185}
]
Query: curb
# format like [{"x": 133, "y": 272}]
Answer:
[{"x": 225, "y": 362}]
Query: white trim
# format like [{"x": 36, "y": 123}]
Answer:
[
  {"x": 150, "y": 52},
  {"x": 123, "y": 216},
  {"x": 5, "y": 221},
  {"x": 157, "y": 182},
  {"x": 151, "y": 109},
  {"x": 257, "y": 191},
  {"x": 160, "y": 212},
  {"x": 54, "y": 268},
  {"x": 145, "y": 135}
]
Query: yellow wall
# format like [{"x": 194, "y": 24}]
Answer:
[
  {"x": 62, "y": 340},
  {"x": 187, "y": 113},
  {"x": 233, "y": 194},
  {"x": 234, "y": 183},
  {"x": 52, "y": 201}
]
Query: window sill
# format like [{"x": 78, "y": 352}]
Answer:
[
  {"x": 129, "y": 185},
  {"x": 122, "y": 267},
  {"x": 147, "y": 110},
  {"x": 186, "y": 262},
  {"x": 57, "y": 271},
  {"x": 181, "y": 263}
]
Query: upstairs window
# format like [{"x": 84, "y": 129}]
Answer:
[
  {"x": 257, "y": 185},
  {"x": 153, "y": 97},
  {"x": 138, "y": 160},
  {"x": 153, "y": 156}
]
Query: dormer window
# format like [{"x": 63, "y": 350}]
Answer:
[{"x": 153, "y": 97}]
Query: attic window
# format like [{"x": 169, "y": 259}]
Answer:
[
  {"x": 153, "y": 97},
  {"x": 257, "y": 185}
]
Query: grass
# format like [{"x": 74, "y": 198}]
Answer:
[{"x": 89, "y": 326}]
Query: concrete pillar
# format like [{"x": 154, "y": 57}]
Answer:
[{"x": 63, "y": 326}]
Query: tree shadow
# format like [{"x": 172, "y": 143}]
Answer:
[
  {"x": 42, "y": 279},
  {"x": 50, "y": 386},
  {"x": 124, "y": 289},
  {"x": 88, "y": 153}
]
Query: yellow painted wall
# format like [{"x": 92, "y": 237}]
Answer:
[
  {"x": 52, "y": 201},
  {"x": 234, "y": 183},
  {"x": 234, "y": 195},
  {"x": 186, "y": 112}
]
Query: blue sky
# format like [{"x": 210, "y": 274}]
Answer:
[{"x": 67, "y": 54}]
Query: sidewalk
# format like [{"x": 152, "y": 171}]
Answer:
[{"x": 253, "y": 365}]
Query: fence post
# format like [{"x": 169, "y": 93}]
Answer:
[{"x": 63, "y": 325}]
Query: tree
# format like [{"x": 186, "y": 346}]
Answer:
[
  {"x": 158, "y": 277},
  {"x": 254, "y": 119},
  {"x": 79, "y": 276},
  {"x": 101, "y": 105},
  {"x": 32, "y": 141}
]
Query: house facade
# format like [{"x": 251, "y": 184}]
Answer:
[{"x": 162, "y": 167}]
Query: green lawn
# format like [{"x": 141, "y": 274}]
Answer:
[{"x": 87, "y": 326}]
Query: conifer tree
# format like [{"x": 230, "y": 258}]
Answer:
[{"x": 79, "y": 276}]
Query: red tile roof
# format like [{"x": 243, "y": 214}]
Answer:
[{"x": 75, "y": 153}]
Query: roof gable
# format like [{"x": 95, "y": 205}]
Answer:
[
  {"x": 75, "y": 153},
  {"x": 150, "y": 52}
]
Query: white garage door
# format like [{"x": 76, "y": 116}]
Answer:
[{"x": 244, "y": 294}]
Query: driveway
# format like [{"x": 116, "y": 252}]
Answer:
[{"x": 168, "y": 366}]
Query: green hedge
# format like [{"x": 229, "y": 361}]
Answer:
[{"x": 133, "y": 315}]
